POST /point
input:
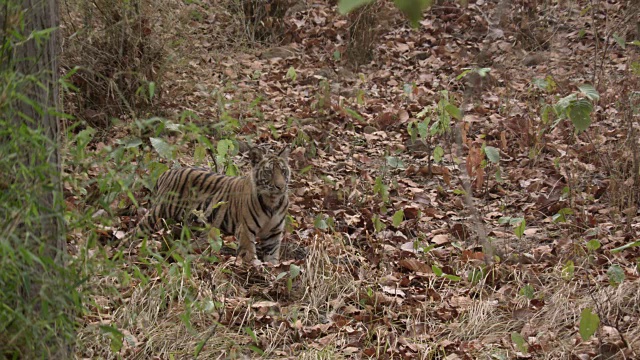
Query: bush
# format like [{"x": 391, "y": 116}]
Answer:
[
  {"x": 262, "y": 20},
  {"x": 119, "y": 55},
  {"x": 363, "y": 34}
]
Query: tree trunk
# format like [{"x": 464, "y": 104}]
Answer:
[
  {"x": 40, "y": 60},
  {"x": 33, "y": 212}
]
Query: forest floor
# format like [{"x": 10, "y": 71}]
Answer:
[{"x": 390, "y": 258}]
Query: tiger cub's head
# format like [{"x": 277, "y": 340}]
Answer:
[{"x": 270, "y": 173}]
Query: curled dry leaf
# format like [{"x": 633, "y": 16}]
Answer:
[
  {"x": 415, "y": 265},
  {"x": 440, "y": 239}
]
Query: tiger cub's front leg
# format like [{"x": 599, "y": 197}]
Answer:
[
  {"x": 246, "y": 244},
  {"x": 270, "y": 245}
]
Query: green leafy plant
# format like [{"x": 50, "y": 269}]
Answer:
[
  {"x": 527, "y": 291},
  {"x": 519, "y": 224},
  {"x": 521, "y": 343},
  {"x": 438, "y": 271},
  {"x": 577, "y": 107}
]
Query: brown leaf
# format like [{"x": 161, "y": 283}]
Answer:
[
  {"x": 460, "y": 231},
  {"x": 440, "y": 239},
  {"x": 415, "y": 265}
]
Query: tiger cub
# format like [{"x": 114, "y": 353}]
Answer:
[{"x": 245, "y": 206}]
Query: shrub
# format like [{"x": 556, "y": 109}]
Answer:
[{"x": 119, "y": 55}]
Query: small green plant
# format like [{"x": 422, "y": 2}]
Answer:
[
  {"x": 527, "y": 291},
  {"x": 438, "y": 271},
  {"x": 397, "y": 218},
  {"x": 568, "y": 270},
  {"x": 382, "y": 190},
  {"x": 432, "y": 122},
  {"x": 292, "y": 274},
  {"x": 577, "y": 107},
  {"x": 521, "y": 343},
  {"x": 292, "y": 74},
  {"x": 519, "y": 224},
  {"x": 324, "y": 222}
]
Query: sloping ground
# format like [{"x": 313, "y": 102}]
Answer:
[{"x": 370, "y": 284}]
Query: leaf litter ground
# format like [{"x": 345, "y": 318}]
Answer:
[{"x": 417, "y": 286}]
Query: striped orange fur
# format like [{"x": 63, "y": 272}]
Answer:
[{"x": 245, "y": 206}]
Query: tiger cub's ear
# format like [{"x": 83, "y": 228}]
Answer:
[
  {"x": 255, "y": 155},
  {"x": 284, "y": 153}
]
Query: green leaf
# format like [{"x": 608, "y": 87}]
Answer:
[
  {"x": 381, "y": 189},
  {"x": 519, "y": 230},
  {"x": 475, "y": 275},
  {"x": 411, "y": 131},
  {"x": 164, "y": 149},
  {"x": 346, "y": 6},
  {"x": 499, "y": 176},
  {"x": 593, "y": 245},
  {"x": 378, "y": 225},
  {"x": 453, "y": 111},
  {"x": 251, "y": 333},
  {"x": 615, "y": 274},
  {"x": 463, "y": 74},
  {"x": 294, "y": 271},
  {"x": 291, "y": 73},
  {"x": 483, "y": 71},
  {"x": 115, "y": 335},
  {"x": 224, "y": 147},
  {"x": 438, "y": 154},
  {"x": 84, "y": 137},
  {"x": 563, "y": 104},
  {"x": 413, "y": 9},
  {"x": 320, "y": 223},
  {"x": 152, "y": 90},
  {"x": 232, "y": 170},
  {"x": 590, "y": 92},
  {"x": 620, "y": 40},
  {"x": 423, "y": 113},
  {"x": 589, "y": 323},
  {"x": 545, "y": 84},
  {"x": 130, "y": 142},
  {"x": 521, "y": 344},
  {"x": 281, "y": 275},
  {"x": 452, "y": 277},
  {"x": 626, "y": 246},
  {"x": 493, "y": 154},
  {"x": 395, "y": 162},
  {"x": 171, "y": 126},
  {"x": 579, "y": 113},
  {"x": 199, "y": 154},
  {"x": 568, "y": 270},
  {"x": 562, "y": 214},
  {"x": 527, "y": 291},
  {"x": 423, "y": 128},
  {"x": 397, "y": 218},
  {"x": 437, "y": 270},
  {"x": 256, "y": 350},
  {"x": 353, "y": 114}
]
